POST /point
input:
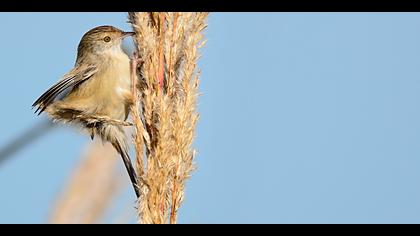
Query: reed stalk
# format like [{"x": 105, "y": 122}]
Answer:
[{"x": 164, "y": 107}]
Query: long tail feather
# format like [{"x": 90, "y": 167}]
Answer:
[{"x": 128, "y": 166}]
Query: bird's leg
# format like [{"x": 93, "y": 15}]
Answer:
[
  {"x": 138, "y": 62},
  {"x": 90, "y": 119}
]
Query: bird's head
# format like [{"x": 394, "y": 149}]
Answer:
[{"x": 100, "y": 40}]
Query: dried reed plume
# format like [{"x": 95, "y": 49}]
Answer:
[
  {"x": 91, "y": 188},
  {"x": 164, "y": 108}
]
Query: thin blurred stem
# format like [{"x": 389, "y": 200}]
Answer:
[
  {"x": 24, "y": 139},
  {"x": 92, "y": 186}
]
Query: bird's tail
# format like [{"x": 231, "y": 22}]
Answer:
[
  {"x": 115, "y": 135},
  {"x": 108, "y": 132},
  {"x": 128, "y": 166}
]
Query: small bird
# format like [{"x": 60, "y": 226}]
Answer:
[{"x": 96, "y": 93}]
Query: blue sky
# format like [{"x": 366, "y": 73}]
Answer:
[{"x": 305, "y": 117}]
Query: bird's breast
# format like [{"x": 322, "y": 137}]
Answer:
[
  {"x": 115, "y": 74},
  {"x": 113, "y": 87}
]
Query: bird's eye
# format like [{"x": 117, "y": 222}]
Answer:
[{"x": 107, "y": 39}]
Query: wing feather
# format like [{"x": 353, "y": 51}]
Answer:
[{"x": 75, "y": 77}]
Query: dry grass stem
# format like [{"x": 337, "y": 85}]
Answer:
[
  {"x": 165, "y": 108},
  {"x": 90, "y": 189}
]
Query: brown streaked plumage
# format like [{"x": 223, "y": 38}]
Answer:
[{"x": 96, "y": 90}]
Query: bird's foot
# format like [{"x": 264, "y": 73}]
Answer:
[{"x": 91, "y": 119}]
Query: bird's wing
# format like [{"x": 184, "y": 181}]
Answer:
[{"x": 75, "y": 77}]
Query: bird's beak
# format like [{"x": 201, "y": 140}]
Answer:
[{"x": 125, "y": 34}]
